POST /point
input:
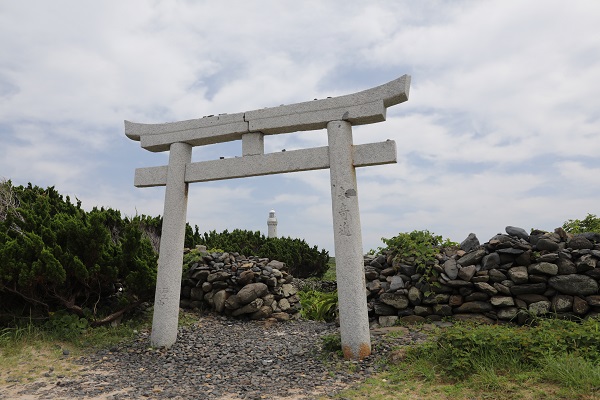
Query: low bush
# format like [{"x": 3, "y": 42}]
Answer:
[{"x": 417, "y": 248}]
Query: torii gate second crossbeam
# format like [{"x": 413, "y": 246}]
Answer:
[{"x": 337, "y": 115}]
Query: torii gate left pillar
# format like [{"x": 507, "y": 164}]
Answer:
[{"x": 337, "y": 115}]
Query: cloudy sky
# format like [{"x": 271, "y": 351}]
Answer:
[{"x": 501, "y": 127}]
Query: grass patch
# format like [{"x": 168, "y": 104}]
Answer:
[
  {"x": 329, "y": 275},
  {"x": 552, "y": 360},
  {"x": 31, "y": 351}
]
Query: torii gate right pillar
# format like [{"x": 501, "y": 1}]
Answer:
[{"x": 354, "y": 318}]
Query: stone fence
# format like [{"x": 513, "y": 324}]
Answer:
[
  {"x": 232, "y": 284},
  {"x": 510, "y": 278}
]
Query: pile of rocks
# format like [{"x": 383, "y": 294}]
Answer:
[
  {"x": 232, "y": 284},
  {"x": 511, "y": 277}
]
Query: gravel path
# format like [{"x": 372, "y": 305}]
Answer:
[{"x": 221, "y": 358}]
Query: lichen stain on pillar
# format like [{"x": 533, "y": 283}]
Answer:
[{"x": 364, "y": 350}]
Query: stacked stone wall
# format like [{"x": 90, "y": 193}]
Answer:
[
  {"x": 510, "y": 278},
  {"x": 232, "y": 284}
]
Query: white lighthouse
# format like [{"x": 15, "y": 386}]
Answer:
[{"x": 272, "y": 224}]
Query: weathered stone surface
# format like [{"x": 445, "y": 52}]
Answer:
[
  {"x": 415, "y": 296},
  {"x": 288, "y": 290},
  {"x": 593, "y": 300},
  {"x": 252, "y": 291},
  {"x": 529, "y": 298},
  {"x": 384, "y": 309},
  {"x": 374, "y": 286},
  {"x": 284, "y": 304},
  {"x": 474, "y": 307},
  {"x": 580, "y": 242},
  {"x": 389, "y": 320},
  {"x": 207, "y": 287},
  {"x": 458, "y": 283},
  {"x": 245, "y": 277},
  {"x": 281, "y": 316},
  {"x": 451, "y": 268},
  {"x": 586, "y": 263},
  {"x": 543, "y": 268},
  {"x": 413, "y": 319},
  {"x": 249, "y": 308},
  {"x": 562, "y": 303},
  {"x": 502, "y": 301},
  {"x": 442, "y": 309},
  {"x": 371, "y": 273},
  {"x": 218, "y": 276},
  {"x": 524, "y": 259},
  {"x": 518, "y": 232},
  {"x": 472, "y": 258},
  {"x": 502, "y": 289},
  {"x": 546, "y": 244},
  {"x": 486, "y": 288},
  {"x": 470, "y": 243},
  {"x": 408, "y": 270},
  {"x": 438, "y": 298},
  {"x": 477, "y": 296},
  {"x": 573, "y": 284},
  {"x": 219, "y": 300},
  {"x": 262, "y": 313},
  {"x": 466, "y": 273},
  {"x": 268, "y": 299},
  {"x": 396, "y": 282},
  {"x": 423, "y": 311},
  {"x": 518, "y": 275},
  {"x": 490, "y": 261},
  {"x": 507, "y": 313},
  {"x": 580, "y": 306},
  {"x": 455, "y": 300},
  {"x": 539, "y": 308},
  {"x": 565, "y": 266},
  {"x": 196, "y": 293},
  {"x": 232, "y": 302},
  {"x": 479, "y": 318},
  {"x": 496, "y": 275},
  {"x": 537, "y": 288},
  {"x": 395, "y": 300}
]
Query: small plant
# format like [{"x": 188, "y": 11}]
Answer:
[
  {"x": 318, "y": 306},
  {"x": 66, "y": 325},
  {"x": 332, "y": 344}
]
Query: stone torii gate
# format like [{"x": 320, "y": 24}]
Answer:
[{"x": 337, "y": 115}]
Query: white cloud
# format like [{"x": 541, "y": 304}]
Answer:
[{"x": 501, "y": 125}]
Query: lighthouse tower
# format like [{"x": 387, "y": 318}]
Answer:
[{"x": 272, "y": 224}]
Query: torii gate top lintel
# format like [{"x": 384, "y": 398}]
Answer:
[{"x": 365, "y": 107}]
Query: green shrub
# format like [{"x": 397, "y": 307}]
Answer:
[
  {"x": 417, "y": 248},
  {"x": 302, "y": 260},
  {"x": 590, "y": 223},
  {"x": 56, "y": 256}
]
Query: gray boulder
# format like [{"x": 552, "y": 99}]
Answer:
[{"x": 573, "y": 284}]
